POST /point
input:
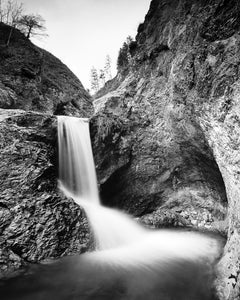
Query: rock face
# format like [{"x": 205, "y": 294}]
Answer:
[
  {"x": 33, "y": 79},
  {"x": 167, "y": 149},
  {"x": 37, "y": 222}
]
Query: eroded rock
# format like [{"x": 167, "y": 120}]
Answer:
[
  {"x": 181, "y": 102},
  {"x": 33, "y": 79},
  {"x": 37, "y": 221}
]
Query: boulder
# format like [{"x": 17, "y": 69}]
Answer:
[{"x": 37, "y": 220}]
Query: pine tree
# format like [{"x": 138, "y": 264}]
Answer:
[
  {"x": 94, "y": 80},
  {"x": 129, "y": 40},
  {"x": 108, "y": 68},
  {"x": 102, "y": 78},
  {"x": 125, "y": 60},
  {"x": 122, "y": 61}
]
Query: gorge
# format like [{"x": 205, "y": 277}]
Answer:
[
  {"x": 140, "y": 263},
  {"x": 165, "y": 137}
]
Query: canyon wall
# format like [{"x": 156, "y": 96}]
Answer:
[
  {"x": 166, "y": 134},
  {"x": 36, "y": 220}
]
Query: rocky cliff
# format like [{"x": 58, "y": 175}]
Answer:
[
  {"x": 33, "y": 79},
  {"x": 36, "y": 221},
  {"x": 166, "y": 140}
]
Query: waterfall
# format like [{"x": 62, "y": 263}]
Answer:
[
  {"x": 130, "y": 262},
  {"x": 123, "y": 243},
  {"x": 76, "y": 167},
  {"x": 78, "y": 181}
]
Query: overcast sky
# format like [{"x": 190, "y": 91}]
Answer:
[{"x": 82, "y": 32}]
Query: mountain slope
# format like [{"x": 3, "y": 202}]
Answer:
[
  {"x": 33, "y": 79},
  {"x": 36, "y": 220}
]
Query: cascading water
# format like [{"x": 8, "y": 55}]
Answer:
[
  {"x": 78, "y": 181},
  {"x": 133, "y": 263},
  {"x": 127, "y": 246},
  {"x": 76, "y": 166}
]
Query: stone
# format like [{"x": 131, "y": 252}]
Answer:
[
  {"x": 31, "y": 78},
  {"x": 37, "y": 221},
  {"x": 182, "y": 109}
]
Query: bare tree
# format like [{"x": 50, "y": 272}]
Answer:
[
  {"x": 1, "y": 11},
  {"x": 15, "y": 13},
  {"x": 32, "y": 25},
  {"x": 10, "y": 12}
]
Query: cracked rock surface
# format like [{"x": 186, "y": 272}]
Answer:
[
  {"x": 37, "y": 221},
  {"x": 177, "y": 143}
]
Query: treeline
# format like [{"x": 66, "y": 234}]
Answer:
[
  {"x": 12, "y": 14},
  {"x": 125, "y": 61},
  {"x": 100, "y": 77}
]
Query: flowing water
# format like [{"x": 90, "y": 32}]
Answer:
[
  {"x": 130, "y": 262},
  {"x": 78, "y": 180},
  {"x": 76, "y": 167}
]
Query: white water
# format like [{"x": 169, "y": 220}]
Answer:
[
  {"x": 124, "y": 244},
  {"x": 76, "y": 166},
  {"x": 78, "y": 181},
  {"x": 111, "y": 227},
  {"x": 133, "y": 263}
]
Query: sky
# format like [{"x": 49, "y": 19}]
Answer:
[{"x": 82, "y": 32}]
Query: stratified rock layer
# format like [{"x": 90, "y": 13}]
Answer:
[
  {"x": 37, "y": 222},
  {"x": 172, "y": 126}
]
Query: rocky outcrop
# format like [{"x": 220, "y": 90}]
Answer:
[
  {"x": 33, "y": 79},
  {"x": 176, "y": 146},
  {"x": 37, "y": 222}
]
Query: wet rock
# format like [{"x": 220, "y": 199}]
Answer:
[
  {"x": 182, "y": 107},
  {"x": 111, "y": 143},
  {"x": 37, "y": 221},
  {"x": 168, "y": 158}
]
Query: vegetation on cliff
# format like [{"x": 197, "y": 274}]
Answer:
[
  {"x": 180, "y": 102},
  {"x": 165, "y": 133},
  {"x": 36, "y": 220},
  {"x": 33, "y": 79}
]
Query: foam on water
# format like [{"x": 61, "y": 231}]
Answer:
[
  {"x": 78, "y": 180},
  {"x": 111, "y": 227},
  {"x": 76, "y": 166},
  {"x": 131, "y": 262}
]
